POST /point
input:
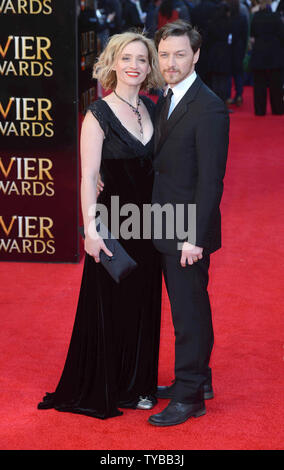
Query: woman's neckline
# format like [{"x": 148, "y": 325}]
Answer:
[{"x": 125, "y": 128}]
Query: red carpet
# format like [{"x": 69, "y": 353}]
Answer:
[{"x": 38, "y": 304}]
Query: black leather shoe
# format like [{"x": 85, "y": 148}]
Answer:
[
  {"x": 168, "y": 391},
  {"x": 177, "y": 413},
  {"x": 47, "y": 403}
]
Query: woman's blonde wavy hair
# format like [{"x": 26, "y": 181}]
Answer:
[{"x": 103, "y": 72}]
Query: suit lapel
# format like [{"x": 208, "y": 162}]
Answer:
[
  {"x": 157, "y": 119},
  {"x": 178, "y": 113}
]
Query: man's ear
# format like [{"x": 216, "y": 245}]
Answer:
[{"x": 196, "y": 56}]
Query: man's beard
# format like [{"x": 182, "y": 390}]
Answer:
[{"x": 172, "y": 77}]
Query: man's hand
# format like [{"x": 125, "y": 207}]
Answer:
[
  {"x": 111, "y": 17},
  {"x": 190, "y": 254}
]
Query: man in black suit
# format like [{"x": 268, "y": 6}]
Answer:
[{"x": 192, "y": 129}]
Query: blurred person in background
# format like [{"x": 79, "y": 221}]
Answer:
[
  {"x": 105, "y": 15},
  {"x": 167, "y": 13},
  {"x": 134, "y": 14},
  {"x": 240, "y": 27},
  {"x": 280, "y": 9},
  {"x": 116, "y": 24},
  {"x": 245, "y": 9},
  {"x": 280, "y": 12},
  {"x": 172, "y": 10},
  {"x": 151, "y": 23},
  {"x": 267, "y": 60},
  {"x": 200, "y": 18},
  {"x": 220, "y": 37}
]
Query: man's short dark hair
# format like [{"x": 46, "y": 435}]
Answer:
[{"x": 179, "y": 28}]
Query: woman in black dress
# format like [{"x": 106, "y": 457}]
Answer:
[{"x": 112, "y": 359}]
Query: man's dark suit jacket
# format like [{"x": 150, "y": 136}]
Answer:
[{"x": 190, "y": 162}]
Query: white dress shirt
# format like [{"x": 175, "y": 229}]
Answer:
[{"x": 180, "y": 90}]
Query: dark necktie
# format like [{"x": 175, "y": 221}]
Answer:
[{"x": 165, "y": 112}]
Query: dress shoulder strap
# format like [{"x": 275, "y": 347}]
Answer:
[{"x": 99, "y": 111}]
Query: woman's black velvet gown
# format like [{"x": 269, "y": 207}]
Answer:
[{"x": 113, "y": 353}]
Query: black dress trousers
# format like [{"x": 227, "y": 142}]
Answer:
[
  {"x": 273, "y": 80},
  {"x": 192, "y": 320}
]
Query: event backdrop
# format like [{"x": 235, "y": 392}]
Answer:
[{"x": 47, "y": 48}]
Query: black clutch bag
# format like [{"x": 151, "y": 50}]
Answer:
[{"x": 120, "y": 265}]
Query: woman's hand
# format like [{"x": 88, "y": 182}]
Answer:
[
  {"x": 100, "y": 185},
  {"x": 93, "y": 246}
]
